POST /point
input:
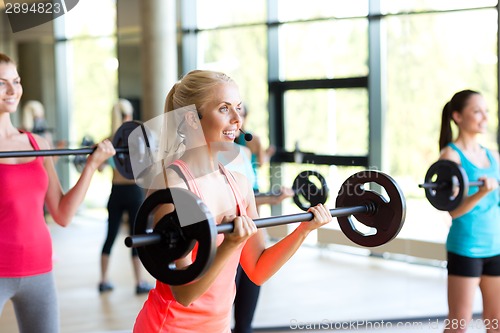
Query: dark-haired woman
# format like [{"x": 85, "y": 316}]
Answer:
[{"x": 473, "y": 242}]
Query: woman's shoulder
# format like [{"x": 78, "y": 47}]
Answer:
[
  {"x": 448, "y": 153},
  {"x": 240, "y": 177},
  {"x": 494, "y": 153},
  {"x": 42, "y": 142}
]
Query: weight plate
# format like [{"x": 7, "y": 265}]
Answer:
[
  {"x": 310, "y": 189},
  {"x": 190, "y": 224},
  {"x": 451, "y": 185},
  {"x": 387, "y": 217},
  {"x": 120, "y": 140},
  {"x": 79, "y": 161}
]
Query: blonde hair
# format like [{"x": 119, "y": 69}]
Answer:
[
  {"x": 31, "y": 110},
  {"x": 121, "y": 109},
  {"x": 194, "y": 88}
]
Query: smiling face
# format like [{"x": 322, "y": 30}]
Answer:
[
  {"x": 474, "y": 116},
  {"x": 10, "y": 88},
  {"x": 221, "y": 114}
]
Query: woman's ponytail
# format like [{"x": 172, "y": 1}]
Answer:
[
  {"x": 446, "y": 135},
  {"x": 456, "y": 104}
]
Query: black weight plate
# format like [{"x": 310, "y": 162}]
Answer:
[
  {"x": 451, "y": 185},
  {"x": 142, "y": 156},
  {"x": 307, "y": 193},
  {"x": 191, "y": 222},
  {"x": 120, "y": 140},
  {"x": 79, "y": 161},
  {"x": 87, "y": 141},
  {"x": 388, "y": 216}
]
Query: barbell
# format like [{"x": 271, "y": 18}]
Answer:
[
  {"x": 176, "y": 233},
  {"x": 446, "y": 185},
  {"x": 309, "y": 187},
  {"x": 120, "y": 143}
]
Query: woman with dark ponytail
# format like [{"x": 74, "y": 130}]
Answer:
[{"x": 473, "y": 242}]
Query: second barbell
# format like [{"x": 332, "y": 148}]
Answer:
[
  {"x": 446, "y": 185},
  {"x": 120, "y": 143}
]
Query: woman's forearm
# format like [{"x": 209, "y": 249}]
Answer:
[{"x": 274, "y": 257}]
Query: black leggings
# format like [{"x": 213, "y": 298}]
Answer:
[
  {"x": 245, "y": 302},
  {"x": 123, "y": 198}
]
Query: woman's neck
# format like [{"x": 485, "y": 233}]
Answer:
[
  {"x": 200, "y": 161},
  {"x": 468, "y": 143},
  {"x": 6, "y": 127}
]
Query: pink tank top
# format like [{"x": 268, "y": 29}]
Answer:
[
  {"x": 211, "y": 312},
  {"x": 25, "y": 242}
]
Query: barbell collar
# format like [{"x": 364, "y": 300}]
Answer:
[{"x": 56, "y": 152}]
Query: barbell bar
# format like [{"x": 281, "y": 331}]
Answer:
[
  {"x": 446, "y": 184},
  {"x": 56, "y": 152},
  {"x": 435, "y": 186},
  {"x": 120, "y": 144},
  {"x": 155, "y": 238},
  {"x": 176, "y": 233}
]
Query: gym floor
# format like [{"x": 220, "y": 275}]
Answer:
[{"x": 318, "y": 290}]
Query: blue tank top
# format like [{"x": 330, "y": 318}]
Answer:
[{"x": 476, "y": 234}]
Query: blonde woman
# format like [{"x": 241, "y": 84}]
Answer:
[
  {"x": 205, "y": 305},
  {"x": 125, "y": 197}
]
